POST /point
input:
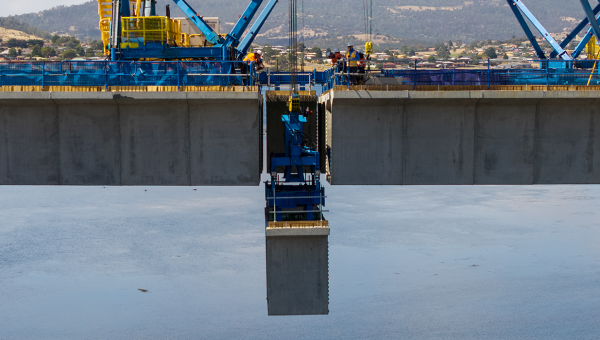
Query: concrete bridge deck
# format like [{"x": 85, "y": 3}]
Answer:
[
  {"x": 130, "y": 138},
  {"x": 462, "y": 137}
]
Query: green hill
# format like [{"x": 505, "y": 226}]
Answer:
[{"x": 411, "y": 21}]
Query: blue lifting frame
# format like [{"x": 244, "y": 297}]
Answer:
[
  {"x": 518, "y": 7},
  {"x": 574, "y": 33},
  {"x": 308, "y": 192},
  {"x": 228, "y": 48}
]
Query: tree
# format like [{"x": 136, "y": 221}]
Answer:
[
  {"x": 450, "y": 44},
  {"x": 318, "y": 51},
  {"x": 69, "y": 54},
  {"x": 72, "y": 43},
  {"x": 490, "y": 52},
  {"x": 33, "y": 42},
  {"x": 16, "y": 43},
  {"x": 443, "y": 52},
  {"x": 411, "y": 53},
  {"x": 459, "y": 43},
  {"x": 48, "y": 52},
  {"x": 36, "y": 51},
  {"x": 505, "y": 56},
  {"x": 404, "y": 49},
  {"x": 431, "y": 58},
  {"x": 80, "y": 51},
  {"x": 54, "y": 39},
  {"x": 12, "y": 52}
]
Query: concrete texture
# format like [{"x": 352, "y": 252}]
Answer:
[
  {"x": 462, "y": 137},
  {"x": 297, "y": 275},
  {"x": 130, "y": 138}
]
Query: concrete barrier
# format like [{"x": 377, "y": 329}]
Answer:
[
  {"x": 130, "y": 138},
  {"x": 462, "y": 137}
]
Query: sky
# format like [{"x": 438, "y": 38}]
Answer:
[{"x": 22, "y": 7}]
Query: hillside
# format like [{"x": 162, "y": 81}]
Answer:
[
  {"x": 333, "y": 21},
  {"x": 6, "y": 34}
]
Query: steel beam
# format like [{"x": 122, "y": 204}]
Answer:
[
  {"x": 545, "y": 34},
  {"x": 574, "y": 33}
]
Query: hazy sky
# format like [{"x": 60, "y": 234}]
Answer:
[{"x": 22, "y": 7}]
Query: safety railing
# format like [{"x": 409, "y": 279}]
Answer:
[
  {"x": 225, "y": 73},
  {"x": 121, "y": 73},
  {"x": 484, "y": 73}
]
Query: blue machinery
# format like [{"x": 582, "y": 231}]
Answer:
[
  {"x": 521, "y": 12},
  {"x": 299, "y": 196},
  {"x": 152, "y": 37}
]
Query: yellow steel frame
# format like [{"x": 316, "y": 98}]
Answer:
[
  {"x": 592, "y": 49},
  {"x": 139, "y": 30},
  {"x": 104, "y": 11}
]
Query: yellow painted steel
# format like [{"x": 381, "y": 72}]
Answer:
[
  {"x": 105, "y": 11},
  {"x": 592, "y": 49},
  {"x": 369, "y": 47},
  {"x": 140, "y": 30},
  {"x": 299, "y": 224},
  {"x": 294, "y": 104}
]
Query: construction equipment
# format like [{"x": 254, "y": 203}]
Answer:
[
  {"x": 558, "y": 50},
  {"x": 299, "y": 196},
  {"x": 132, "y": 31}
]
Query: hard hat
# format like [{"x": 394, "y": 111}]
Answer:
[
  {"x": 337, "y": 50},
  {"x": 350, "y": 44}
]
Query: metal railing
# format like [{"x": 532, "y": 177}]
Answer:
[
  {"x": 126, "y": 73},
  {"x": 484, "y": 73}
]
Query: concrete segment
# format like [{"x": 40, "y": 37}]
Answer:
[
  {"x": 89, "y": 142},
  {"x": 462, "y": 137},
  {"x": 297, "y": 275},
  {"x": 29, "y": 142},
  {"x": 130, "y": 138},
  {"x": 224, "y": 143}
]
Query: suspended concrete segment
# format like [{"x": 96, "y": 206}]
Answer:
[
  {"x": 462, "y": 137},
  {"x": 130, "y": 138}
]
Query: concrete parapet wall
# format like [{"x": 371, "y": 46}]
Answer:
[
  {"x": 462, "y": 137},
  {"x": 130, "y": 138}
]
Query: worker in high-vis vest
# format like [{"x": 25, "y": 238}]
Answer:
[
  {"x": 255, "y": 58},
  {"x": 352, "y": 59}
]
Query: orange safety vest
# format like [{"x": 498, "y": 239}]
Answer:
[
  {"x": 250, "y": 57},
  {"x": 336, "y": 56}
]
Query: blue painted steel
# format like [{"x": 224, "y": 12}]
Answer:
[
  {"x": 591, "y": 18},
  {"x": 538, "y": 50},
  {"x": 296, "y": 191},
  {"x": 574, "y": 33},
  {"x": 242, "y": 48},
  {"x": 545, "y": 34},
  {"x": 208, "y": 32},
  {"x": 120, "y": 73},
  {"x": 236, "y": 33},
  {"x": 198, "y": 73}
]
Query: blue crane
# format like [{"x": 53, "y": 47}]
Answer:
[
  {"x": 592, "y": 19},
  {"x": 129, "y": 42}
]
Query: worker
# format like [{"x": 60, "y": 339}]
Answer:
[
  {"x": 352, "y": 59},
  {"x": 255, "y": 58},
  {"x": 335, "y": 57}
]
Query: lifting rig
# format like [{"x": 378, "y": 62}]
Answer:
[
  {"x": 298, "y": 198},
  {"x": 590, "y": 38},
  {"x": 142, "y": 35}
]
